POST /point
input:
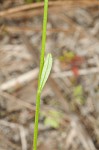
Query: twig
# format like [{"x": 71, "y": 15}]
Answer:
[
  {"x": 51, "y": 3},
  {"x": 21, "y": 129},
  {"x": 17, "y": 100},
  {"x": 22, "y": 80},
  {"x": 23, "y": 138},
  {"x": 28, "y": 7},
  {"x": 83, "y": 136},
  {"x": 18, "y": 30},
  {"x": 19, "y": 82},
  {"x": 86, "y": 71},
  {"x": 23, "y": 103},
  {"x": 8, "y": 142}
]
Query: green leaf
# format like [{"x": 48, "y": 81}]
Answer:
[
  {"x": 46, "y": 71},
  {"x": 49, "y": 121},
  {"x": 53, "y": 118},
  {"x": 78, "y": 91},
  {"x": 70, "y": 55},
  {"x": 67, "y": 56}
]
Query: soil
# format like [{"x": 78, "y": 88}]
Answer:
[{"x": 71, "y": 96}]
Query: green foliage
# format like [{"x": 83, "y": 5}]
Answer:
[
  {"x": 53, "y": 119},
  {"x": 78, "y": 91},
  {"x": 78, "y": 94},
  {"x": 43, "y": 38},
  {"x": 45, "y": 68},
  {"x": 50, "y": 121},
  {"x": 67, "y": 56},
  {"x": 46, "y": 71}
]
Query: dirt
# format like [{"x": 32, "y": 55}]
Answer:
[{"x": 72, "y": 92}]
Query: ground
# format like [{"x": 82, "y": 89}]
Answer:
[{"x": 69, "y": 117}]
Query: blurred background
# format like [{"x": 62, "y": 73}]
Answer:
[{"x": 69, "y": 117}]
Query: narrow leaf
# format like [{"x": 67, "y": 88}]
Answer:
[{"x": 46, "y": 71}]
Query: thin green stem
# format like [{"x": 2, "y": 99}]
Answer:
[
  {"x": 36, "y": 121},
  {"x": 43, "y": 37},
  {"x": 40, "y": 73}
]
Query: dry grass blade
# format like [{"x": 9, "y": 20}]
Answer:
[
  {"x": 18, "y": 30},
  {"x": 51, "y": 3},
  {"x": 19, "y": 82}
]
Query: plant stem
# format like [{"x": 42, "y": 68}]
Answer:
[
  {"x": 43, "y": 37},
  {"x": 40, "y": 72},
  {"x": 36, "y": 121}
]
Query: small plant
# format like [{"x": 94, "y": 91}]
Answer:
[{"x": 45, "y": 68}]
